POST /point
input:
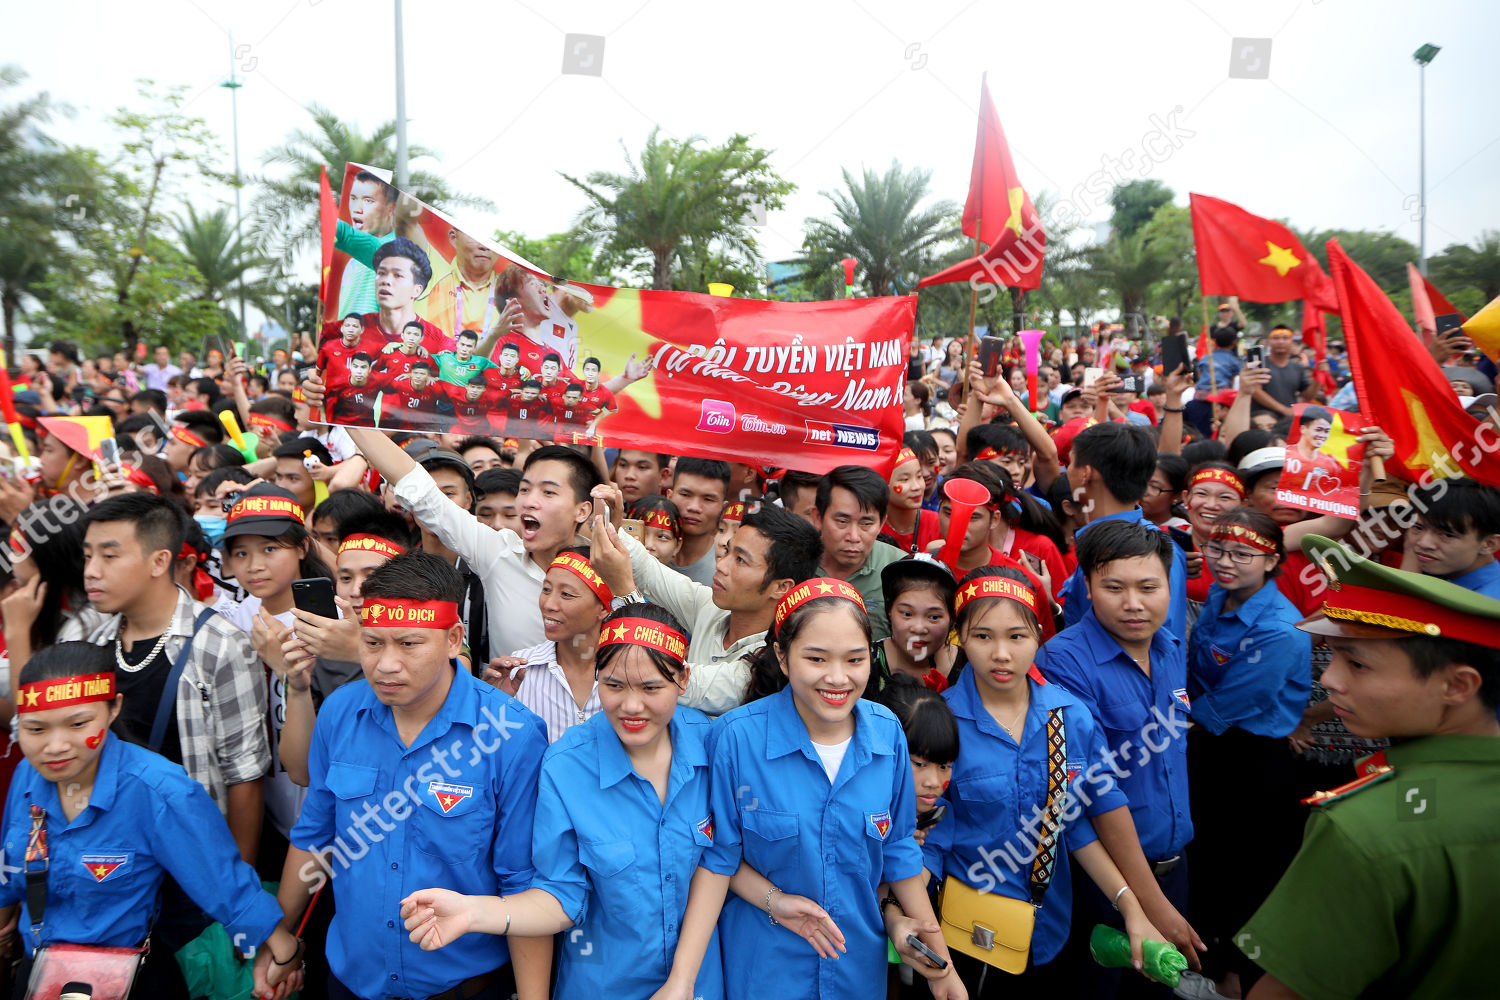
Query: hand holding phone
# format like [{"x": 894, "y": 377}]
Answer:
[
  {"x": 1256, "y": 355},
  {"x": 315, "y": 596},
  {"x": 938, "y": 961},
  {"x": 990, "y": 350}
]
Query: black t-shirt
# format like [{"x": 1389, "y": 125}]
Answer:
[
  {"x": 143, "y": 691},
  {"x": 1287, "y": 383}
]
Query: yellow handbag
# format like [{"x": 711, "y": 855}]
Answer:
[
  {"x": 992, "y": 928},
  {"x": 997, "y": 929}
]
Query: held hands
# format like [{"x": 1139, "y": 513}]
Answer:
[
  {"x": 272, "y": 978},
  {"x": 437, "y": 917},
  {"x": 808, "y": 921},
  {"x": 898, "y": 926}
]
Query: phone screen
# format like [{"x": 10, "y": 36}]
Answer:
[
  {"x": 1255, "y": 355},
  {"x": 315, "y": 596},
  {"x": 1091, "y": 375}
]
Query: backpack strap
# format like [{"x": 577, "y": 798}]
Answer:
[{"x": 169, "y": 690}]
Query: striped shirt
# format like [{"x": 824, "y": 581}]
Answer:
[{"x": 545, "y": 690}]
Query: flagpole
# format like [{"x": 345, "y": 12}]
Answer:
[
  {"x": 1213, "y": 379},
  {"x": 969, "y": 343}
]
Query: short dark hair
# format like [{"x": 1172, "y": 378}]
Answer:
[
  {"x": 705, "y": 468},
  {"x": 154, "y": 398},
  {"x": 421, "y": 267},
  {"x": 1459, "y": 506},
  {"x": 923, "y": 443},
  {"x": 66, "y": 348},
  {"x": 472, "y": 335},
  {"x": 413, "y": 324},
  {"x": 1106, "y": 541},
  {"x": 493, "y": 481},
  {"x": 205, "y": 425},
  {"x": 434, "y": 460},
  {"x": 210, "y": 483},
  {"x": 870, "y": 491},
  {"x": 590, "y": 361},
  {"x": 387, "y": 191},
  {"x": 1429, "y": 654},
  {"x": 478, "y": 440},
  {"x": 1123, "y": 454},
  {"x": 1206, "y": 450},
  {"x": 931, "y": 730},
  {"x": 67, "y": 659},
  {"x": 1004, "y": 438},
  {"x": 158, "y": 521},
  {"x": 217, "y": 456},
  {"x": 352, "y": 315},
  {"x": 132, "y": 425},
  {"x": 382, "y": 523},
  {"x": 1175, "y": 468},
  {"x": 795, "y": 547},
  {"x": 296, "y": 447},
  {"x": 348, "y": 508},
  {"x": 415, "y": 576},
  {"x": 796, "y": 479},
  {"x": 582, "y": 475},
  {"x": 1225, "y": 336},
  {"x": 552, "y": 356},
  {"x": 425, "y": 365},
  {"x": 208, "y": 387}
]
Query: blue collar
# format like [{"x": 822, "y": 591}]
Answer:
[
  {"x": 614, "y": 762},
  {"x": 460, "y": 706},
  {"x": 1105, "y": 647},
  {"x": 1249, "y": 612},
  {"x": 1132, "y": 516},
  {"x": 786, "y": 733},
  {"x": 966, "y": 704}
]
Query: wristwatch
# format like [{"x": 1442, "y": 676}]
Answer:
[{"x": 634, "y": 597}]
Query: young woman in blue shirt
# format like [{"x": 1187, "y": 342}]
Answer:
[
  {"x": 1002, "y": 788},
  {"x": 622, "y": 820}
]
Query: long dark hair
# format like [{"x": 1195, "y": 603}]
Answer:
[
  {"x": 766, "y": 677},
  {"x": 58, "y": 556},
  {"x": 931, "y": 730}
]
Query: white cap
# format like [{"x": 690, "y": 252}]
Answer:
[{"x": 1262, "y": 459}]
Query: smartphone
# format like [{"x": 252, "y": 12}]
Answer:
[
  {"x": 1256, "y": 355},
  {"x": 1091, "y": 375},
  {"x": 990, "y": 349},
  {"x": 1131, "y": 383},
  {"x": 109, "y": 453},
  {"x": 937, "y": 960},
  {"x": 1183, "y": 538},
  {"x": 933, "y": 818},
  {"x": 1447, "y": 323},
  {"x": 1174, "y": 353},
  {"x": 315, "y": 596},
  {"x": 634, "y": 527}
]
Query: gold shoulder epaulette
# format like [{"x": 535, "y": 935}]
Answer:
[{"x": 1372, "y": 776}]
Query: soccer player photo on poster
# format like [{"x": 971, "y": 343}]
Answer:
[
  {"x": 461, "y": 335},
  {"x": 1323, "y": 459}
]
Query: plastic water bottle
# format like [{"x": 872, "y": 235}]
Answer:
[{"x": 1162, "y": 961}]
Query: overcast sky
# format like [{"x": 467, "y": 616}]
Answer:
[{"x": 1328, "y": 139}]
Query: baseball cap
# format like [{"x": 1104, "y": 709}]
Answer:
[{"x": 265, "y": 510}]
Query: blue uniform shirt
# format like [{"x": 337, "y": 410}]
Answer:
[
  {"x": 1227, "y": 367},
  {"x": 773, "y": 806},
  {"x": 1144, "y": 720},
  {"x": 1484, "y": 580},
  {"x": 1076, "y": 591},
  {"x": 1250, "y": 668},
  {"x": 453, "y": 810},
  {"x": 619, "y": 861},
  {"x": 145, "y": 820},
  {"x": 999, "y": 787}
]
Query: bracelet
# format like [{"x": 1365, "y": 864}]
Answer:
[
  {"x": 769, "y": 893},
  {"x": 1174, "y": 409},
  {"x": 891, "y": 900},
  {"x": 507, "y": 926},
  {"x": 1116, "y": 901},
  {"x": 295, "y": 952}
]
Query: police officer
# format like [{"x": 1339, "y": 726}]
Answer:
[
  {"x": 1395, "y": 892},
  {"x": 424, "y": 776}
]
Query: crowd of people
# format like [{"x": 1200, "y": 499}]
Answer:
[{"x": 383, "y": 713}]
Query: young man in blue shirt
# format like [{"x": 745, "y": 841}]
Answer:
[
  {"x": 424, "y": 776},
  {"x": 1109, "y": 470},
  {"x": 1132, "y": 675},
  {"x": 1456, "y": 534}
]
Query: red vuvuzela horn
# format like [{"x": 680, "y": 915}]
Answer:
[{"x": 965, "y": 496}]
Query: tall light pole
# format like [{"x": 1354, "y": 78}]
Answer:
[
  {"x": 401, "y": 164},
  {"x": 1423, "y": 56},
  {"x": 234, "y": 85}
]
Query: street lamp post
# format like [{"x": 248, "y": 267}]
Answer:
[
  {"x": 401, "y": 155},
  {"x": 1423, "y": 56}
]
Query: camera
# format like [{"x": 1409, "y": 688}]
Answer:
[{"x": 230, "y": 499}]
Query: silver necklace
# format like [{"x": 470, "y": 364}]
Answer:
[{"x": 120, "y": 651}]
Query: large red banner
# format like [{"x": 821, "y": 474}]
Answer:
[{"x": 432, "y": 329}]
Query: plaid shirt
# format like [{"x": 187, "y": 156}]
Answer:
[{"x": 221, "y": 698}]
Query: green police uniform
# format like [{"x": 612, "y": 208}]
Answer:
[{"x": 1396, "y": 889}]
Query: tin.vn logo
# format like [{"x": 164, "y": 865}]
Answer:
[
  {"x": 753, "y": 424},
  {"x": 716, "y": 416}
]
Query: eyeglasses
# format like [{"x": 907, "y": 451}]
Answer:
[
  {"x": 1239, "y": 557},
  {"x": 1153, "y": 490}
]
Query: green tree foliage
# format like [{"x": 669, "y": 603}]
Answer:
[
  {"x": 228, "y": 266},
  {"x": 1465, "y": 269},
  {"x": 1135, "y": 204},
  {"x": 676, "y": 196},
  {"x": 562, "y": 255}
]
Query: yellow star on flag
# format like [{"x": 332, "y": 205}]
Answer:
[
  {"x": 1017, "y": 202},
  {"x": 825, "y": 588},
  {"x": 620, "y": 631},
  {"x": 100, "y": 871},
  {"x": 971, "y": 590},
  {"x": 1430, "y": 451},
  {"x": 1280, "y": 258}
]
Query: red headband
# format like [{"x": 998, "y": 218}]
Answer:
[
  {"x": 733, "y": 512},
  {"x": 139, "y": 477},
  {"x": 266, "y": 507},
  {"x": 902, "y": 457},
  {"x": 645, "y": 632},
  {"x": 186, "y": 436},
  {"x": 265, "y": 420},
  {"x": 65, "y": 692},
  {"x": 660, "y": 519},
  {"x": 393, "y": 612},
  {"x": 809, "y": 590},
  {"x": 1250, "y": 537},
  {"x": 370, "y": 543},
  {"x": 579, "y": 567},
  {"x": 994, "y": 586},
  {"x": 991, "y": 455},
  {"x": 1221, "y": 476}
]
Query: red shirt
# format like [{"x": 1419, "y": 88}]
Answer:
[
  {"x": 396, "y": 364},
  {"x": 350, "y": 404},
  {"x": 599, "y": 398},
  {"x": 927, "y": 531},
  {"x": 476, "y": 417},
  {"x": 1044, "y": 549},
  {"x": 528, "y": 418},
  {"x": 333, "y": 359},
  {"x": 531, "y": 359},
  {"x": 572, "y": 420},
  {"x": 434, "y": 341},
  {"x": 405, "y": 408}
]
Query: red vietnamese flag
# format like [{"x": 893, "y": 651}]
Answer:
[
  {"x": 999, "y": 210},
  {"x": 1427, "y": 303},
  {"x": 1401, "y": 388},
  {"x": 328, "y": 220},
  {"x": 1255, "y": 258}
]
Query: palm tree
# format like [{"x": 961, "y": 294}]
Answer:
[
  {"x": 1476, "y": 266},
  {"x": 1132, "y": 264},
  {"x": 677, "y": 193},
  {"x": 879, "y": 220},
  {"x": 285, "y": 212},
  {"x": 230, "y": 268}
]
